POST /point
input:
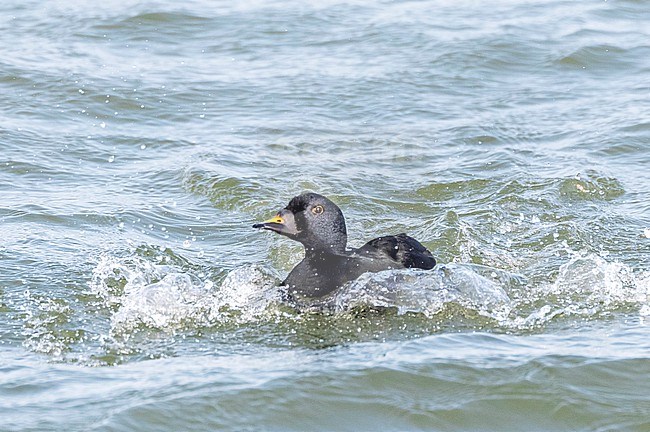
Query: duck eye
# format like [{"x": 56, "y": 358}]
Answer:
[{"x": 317, "y": 209}]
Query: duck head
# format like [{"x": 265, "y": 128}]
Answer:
[{"x": 311, "y": 219}]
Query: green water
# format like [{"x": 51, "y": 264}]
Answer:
[{"x": 139, "y": 141}]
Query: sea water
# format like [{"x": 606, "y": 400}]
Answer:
[{"x": 140, "y": 140}]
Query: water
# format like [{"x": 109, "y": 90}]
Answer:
[{"x": 141, "y": 140}]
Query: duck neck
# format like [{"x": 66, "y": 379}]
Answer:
[
  {"x": 318, "y": 247},
  {"x": 321, "y": 254}
]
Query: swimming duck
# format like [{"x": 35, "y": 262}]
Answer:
[{"x": 319, "y": 225}]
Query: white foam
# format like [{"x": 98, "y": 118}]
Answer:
[
  {"x": 249, "y": 290},
  {"x": 425, "y": 292},
  {"x": 164, "y": 297},
  {"x": 162, "y": 304},
  {"x": 588, "y": 285},
  {"x": 141, "y": 293},
  {"x": 592, "y": 279}
]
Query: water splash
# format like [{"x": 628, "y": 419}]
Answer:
[
  {"x": 43, "y": 319},
  {"x": 587, "y": 285},
  {"x": 166, "y": 297},
  {"x": 249, "y": 290},
  {"x": 593, "y": 279},
  {"x": 143, "y": 302},
  {"x": 425, "y": 292},
  {"x": 140, "y": 294}
]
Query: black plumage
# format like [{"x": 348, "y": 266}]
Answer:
[{"x": 319, "y": 225}]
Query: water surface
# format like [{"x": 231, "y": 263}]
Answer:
[{"x": 139, "y": 141}]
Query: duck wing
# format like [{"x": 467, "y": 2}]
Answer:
[{"x": 400, "y": 248}]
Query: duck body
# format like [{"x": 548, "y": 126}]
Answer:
[{"x": 319, "y": 225}]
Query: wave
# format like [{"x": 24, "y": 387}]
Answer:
[{"x": 142, "y": 293}]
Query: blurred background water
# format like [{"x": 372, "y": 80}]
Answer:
[{"x": 139, "y": 140}]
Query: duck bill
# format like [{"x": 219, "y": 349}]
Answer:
[{"x": 282, "y": 223}]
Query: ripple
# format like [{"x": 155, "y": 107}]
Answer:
[
  {"x": 606, "y": 59},
  {"x": 139, "y": 140},
  {"x": 591, "y": 186}
]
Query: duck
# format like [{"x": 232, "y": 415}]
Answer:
[{"x": 319, "y": 225}]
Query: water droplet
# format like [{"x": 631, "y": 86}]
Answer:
[
  {"x": 111, "y": 158},
  {"x": 143, "y": 146}
]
